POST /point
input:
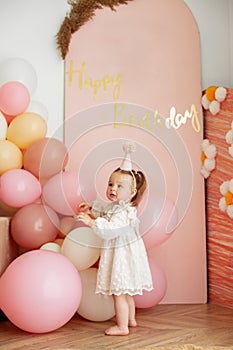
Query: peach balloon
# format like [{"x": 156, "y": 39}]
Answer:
[
  {"x": 34, "y": 225},
  {"x": 45, "y": 157},
  {"x": 94, "y": 307},
  {"x": 40, "y": 291},
  {"x": 26, "y": 128},
  {"x": 10, "y": 156}
]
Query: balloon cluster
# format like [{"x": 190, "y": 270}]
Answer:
[
  {"x": 42, "y": 198},
  {"x": 40, "y": 290}
]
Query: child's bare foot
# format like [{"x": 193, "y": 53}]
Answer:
[
  {"x": 132, "y": 323},
  {"x": 115, "y": 330}
]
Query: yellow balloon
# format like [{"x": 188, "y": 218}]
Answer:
[
  {"x": 10, "y": 156},
  {"x": 26, "y": 128}
]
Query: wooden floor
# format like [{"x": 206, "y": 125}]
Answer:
[{"x": 188, "y": 327}]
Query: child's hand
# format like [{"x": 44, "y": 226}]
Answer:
[
  {"x": 85, "y": 218},
  {"x": 84, "y": 206}
]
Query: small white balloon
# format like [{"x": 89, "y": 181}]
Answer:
[
  {"x": 18, "y": 69},
  {"x": 54, "y": 247},
  {"x": 3, "y": 127},
  {"x": 38, "y": 108}
]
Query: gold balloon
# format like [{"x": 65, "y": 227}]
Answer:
[
  {"x": 10, "y": 156},
  {"x": 26, "y": 128}
]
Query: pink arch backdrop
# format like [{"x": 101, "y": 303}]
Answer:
[{"x": 134, "y": 73}]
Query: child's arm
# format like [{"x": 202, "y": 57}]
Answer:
[{"x": 105, "y": 229}]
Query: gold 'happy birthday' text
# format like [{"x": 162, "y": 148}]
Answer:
[
  {"x": 96, "y": 85},
  {"x": 152, "y": 121}
]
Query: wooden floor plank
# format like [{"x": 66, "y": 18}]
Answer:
[{"x": 164, "y": 327}]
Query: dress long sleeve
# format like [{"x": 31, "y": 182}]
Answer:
[{"x": 117, "y": 223}]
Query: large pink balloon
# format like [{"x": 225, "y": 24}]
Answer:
[
  {"x": 165, "y": 218},
  {"x": 40, "y": 291},
  {"x": 18, "y": 187},
  {"x": 34, "y": 225},
  {"x": 152, "y": 298},
  {"x": 46, "y": 157},
  {"x": 14, "y": 98},
  {"x": 63, "y": 193}
]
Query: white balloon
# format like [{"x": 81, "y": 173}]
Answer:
[
  {"x": 54, "y": 247},
  {"x": 18, "y": 69},
  {"x": 94, "y": 307},
  {"x": 3, "y": 127},
  {"x": 38, "y": 108},
  {"x": 82, "y": 247}
]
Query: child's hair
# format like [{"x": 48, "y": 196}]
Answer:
[{"x": 141, "y": 184}]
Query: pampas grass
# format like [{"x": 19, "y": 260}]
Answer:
[{"x": 81, "y": 12}]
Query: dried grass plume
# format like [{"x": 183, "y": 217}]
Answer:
[{"x": 81, "y": 12}]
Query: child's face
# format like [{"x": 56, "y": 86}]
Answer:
[{"x": 120, "y": 187}]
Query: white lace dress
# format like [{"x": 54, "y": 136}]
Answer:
[{"x": 123, "y": 266}]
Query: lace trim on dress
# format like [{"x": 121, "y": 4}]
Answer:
[{"x": 131, "y": 292}]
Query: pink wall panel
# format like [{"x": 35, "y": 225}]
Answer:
[{"x": 127, "y": 71}]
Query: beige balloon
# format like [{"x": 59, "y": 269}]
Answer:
[
  {"x": 94, "y": 307},
  {"x": 82, "y": 247},
  {"x": 54, "y": 247}
]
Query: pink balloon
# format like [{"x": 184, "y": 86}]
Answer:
[
  {"x": 14, "y": 98},
  {"x": 62, "y": 193},
  {"x": 18, "y": 187},
  {"x": 46, "y": 157},
  {"x": 165, "y": 218},
  {"x": 34, "y": 225},
  {"x": 152, "y": 298},
  {"x": 40, "y": 291}
]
